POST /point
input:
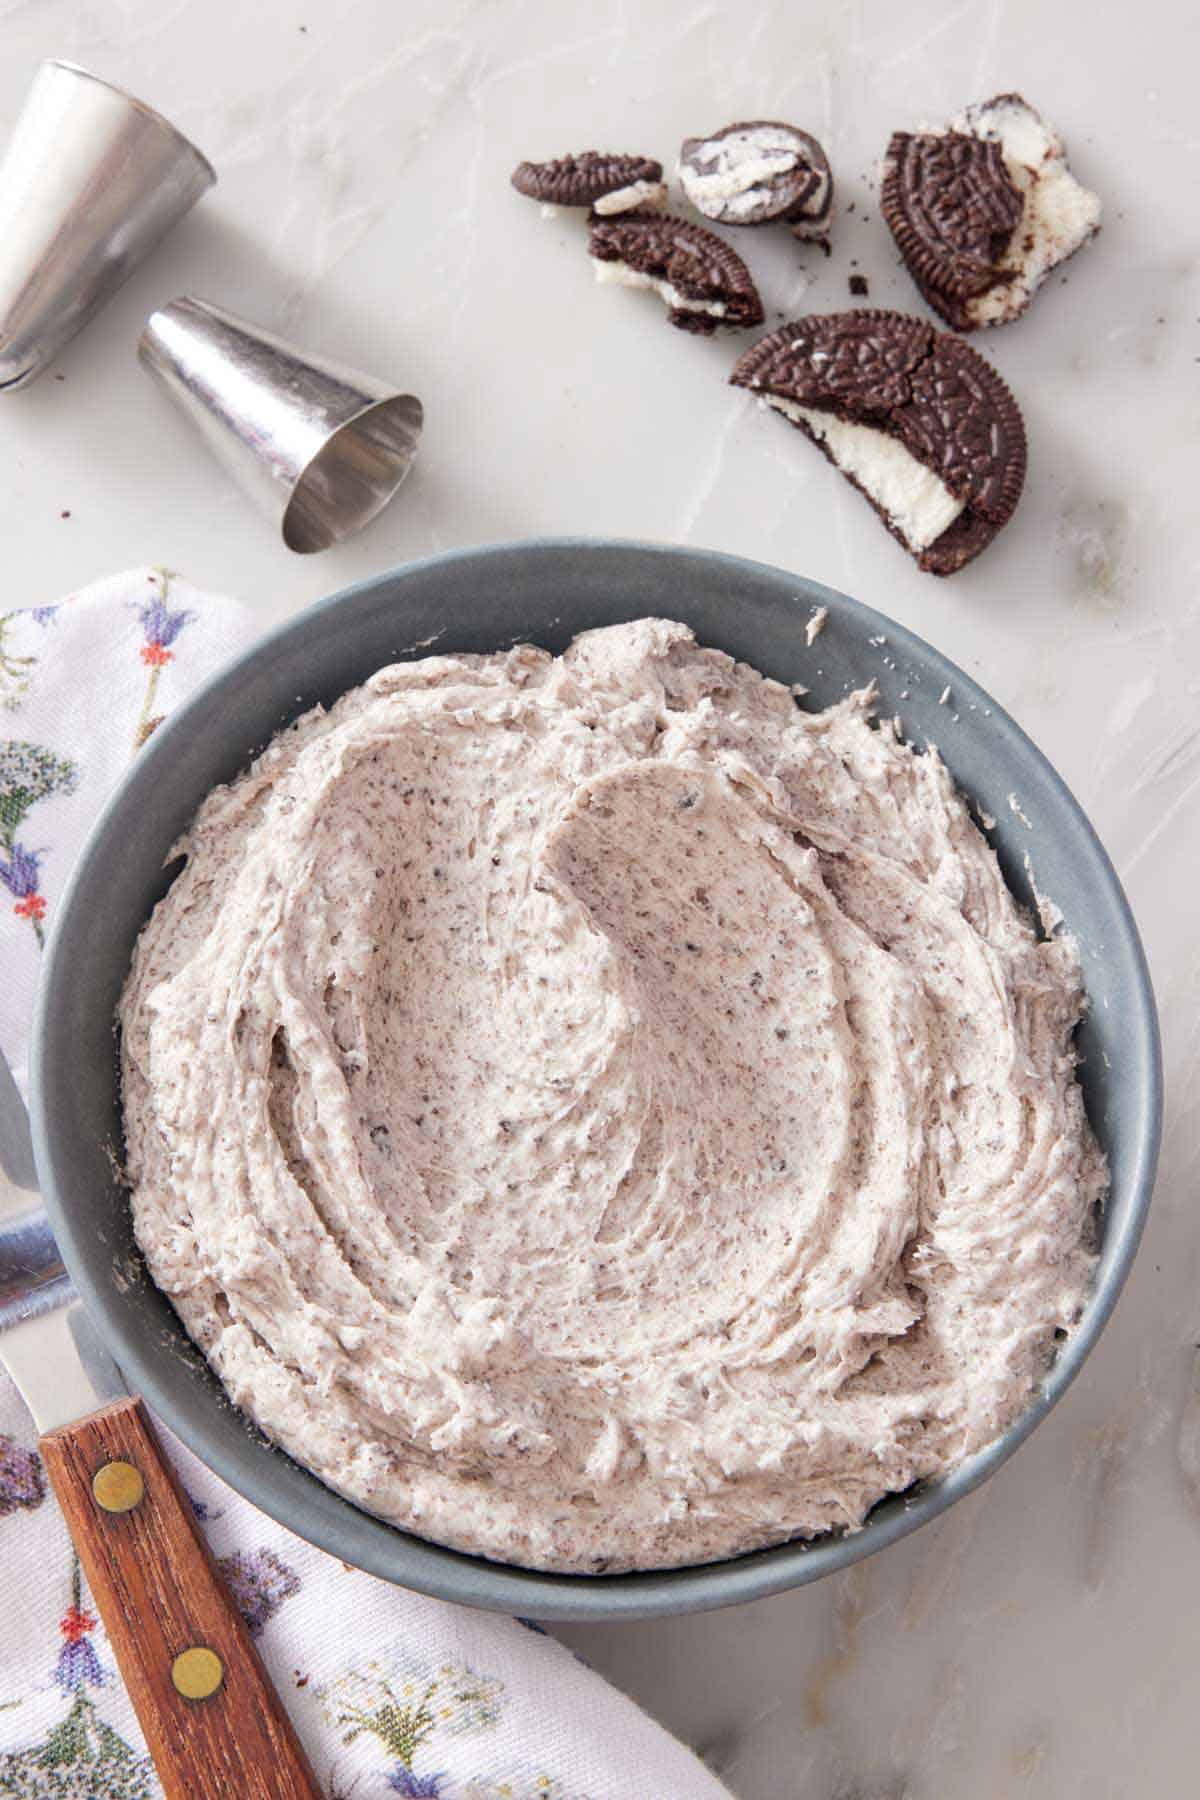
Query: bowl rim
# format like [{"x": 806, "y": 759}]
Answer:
[{"x": 451, "y": 1575}]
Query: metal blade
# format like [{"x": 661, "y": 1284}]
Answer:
[
  {"x": 16, "y": 1145},
  {"x": 46, "y": 1341},
  {"x": 32, "y": 1277},
  {"x": 99, "y": 1367},
  {"x": 43, "y": 1358}
]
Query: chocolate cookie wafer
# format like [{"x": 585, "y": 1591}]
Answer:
[
  {"x": 952, "y": 207},
  {"x": 912, "y": 417},
  {"x": 704, "y": 283},
  {"x": 609, "y": 184},
  {"x": 758, "y": 172},
  {"x": 984, "y": 209}
]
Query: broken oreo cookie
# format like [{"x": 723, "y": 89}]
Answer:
[
  {"x": 984, "y": 209},
  {"x": 911, "y": 416},
  {"x": 951, "y": 206},
  {"x": 755, "y": 173},
  {"x": 704, "y": 283},
  {"x": 609, "y": 184}
]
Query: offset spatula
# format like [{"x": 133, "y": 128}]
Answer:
[{"x": 214, "y": 1724}]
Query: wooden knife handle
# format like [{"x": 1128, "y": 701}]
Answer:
[{"x": 160, "y": 1595}]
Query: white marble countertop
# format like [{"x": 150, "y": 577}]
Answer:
[{"x": 1039, "y": 1640}]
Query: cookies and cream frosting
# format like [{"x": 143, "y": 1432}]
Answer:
[{"x": 595, "y": 1114}]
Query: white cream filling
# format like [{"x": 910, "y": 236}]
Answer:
[
  {"x": 652, "y": 194},
  {"x": 619, "y": 274},
  {"x": 735, "y": 166},
  {"x": 1060, "y": 213},
  {"x": 919, "y": 505}
]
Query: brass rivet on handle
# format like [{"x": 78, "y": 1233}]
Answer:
[
  {"x": 118, "y": 1487},
  {"x": 197, "y": 1673}
]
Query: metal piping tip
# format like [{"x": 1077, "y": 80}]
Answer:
[
  {"x": 91, "y": 181},
  {"x": 319, "y": 447}
]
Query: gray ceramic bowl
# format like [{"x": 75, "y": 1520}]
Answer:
[{"x": 544, "y": 592}]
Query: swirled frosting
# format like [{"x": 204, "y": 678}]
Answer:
[{"x": 596, "y": 1114}]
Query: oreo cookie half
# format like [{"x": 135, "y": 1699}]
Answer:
[
  {"x": 912, "y": 417},
  {"x": 610, "y": 184},
  {"x": 984, "y": 209},
  {"x": 704, "y": 283},
  {"x": 755, "y": 173}
]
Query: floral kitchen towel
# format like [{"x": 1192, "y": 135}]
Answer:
[
  {"x": 392, "y": 1693},
  {"x": 82, "y": 686}
]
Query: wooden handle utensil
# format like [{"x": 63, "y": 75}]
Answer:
[{"x": 216, "y": 1728}]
